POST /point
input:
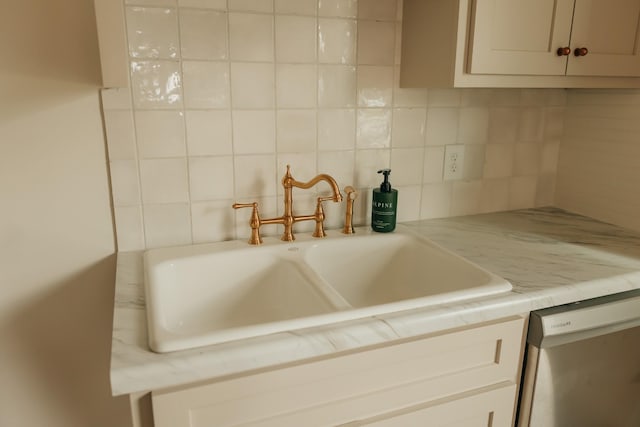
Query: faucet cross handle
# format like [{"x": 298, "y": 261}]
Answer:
[{"x": 348, "y": 222}]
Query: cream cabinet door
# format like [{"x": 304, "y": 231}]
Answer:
[
  {"x": 519, "y": 37},
  {"x": 609, "y": 30}
]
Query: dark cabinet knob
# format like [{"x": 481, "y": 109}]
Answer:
[
  {"x": 581, "y": 51},
  {"x": 563, "y": 51}
]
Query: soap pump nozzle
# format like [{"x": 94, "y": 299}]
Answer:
[{"x": 385, "y": 187}]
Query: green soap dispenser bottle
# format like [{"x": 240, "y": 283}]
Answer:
[{"x": 384, "y": 205}]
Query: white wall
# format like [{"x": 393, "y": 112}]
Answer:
[
  {"x": 56, "y": 235},
  {"x": 599, "y": 164}
]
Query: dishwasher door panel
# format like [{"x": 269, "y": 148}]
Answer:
[{"x": 593, "y": 382}]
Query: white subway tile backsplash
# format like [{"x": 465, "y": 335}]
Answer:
[
  {"x": 433, "y": 164},
  {"x": 121, "y": 137},
  {"x": 124, "y": 182},
  {"x": 375, "y": 86},
  {"x": 442, "y": 126},
  {"x": 339, "y": 8},
  {"x": 526, "y": 159},
  {"x": 224, "y": 94},
  {"x": 545, "y": 190},
  {"x": 252, "y": 85},
  {"x": 203, "y": 34},
  {"x": 209, "y": 132},
  {"x": 503, "y": 125},
  {"x": 466, "y": 197},
  {"x": 255, "y": 175},
  {"x": 152, "y": 32},
  {"x": 254, "y": 131},
  {"x": 296, "y": 85},
  {"x": 409, "y": 203},
  {"x": 409, "y": 126},
  {"x": 338, "y": 164},
  {"x": 336, "y": 129},
  {"x": 210, "y": 178},
  {"x": 295, "y": 39},
  {"x": 206, "y": 84},
  {"x": 436, "y": 200},
  {"x": 406, "y": 166},
  {"x": 498, "y": 160},
  {"x": 368, "y": 163},
  {"x": 495, "y": 195},
  {"x": 444, "y": 97},
  {"x": 156, "y": 84},
  {"x": 297, "y": 7},
  {"x": 531, "y": 124},
  {"x": 476, "y": 97},
  {"x": 251, "y": 5},
  {"x": 554, "y": 118},
  {"x": 337, "y": 41},
  {"x": 373, "y": 128},
  {"x": 296, "y": 131},
  {"x": 336, "y": 86},
  {"x": 505, "y": 97},
  {"x": 251, "y": 37},
  {"x": 167, "y": 225},
  {"x": 160, "y": 134},
  {"x": 164, "y": 180},
  {"x": 522, "y": 192},
  {"x": 549, "y": 157},
  {"x": 474, "y": 155},
  {"x": 473, "y": 126},
  {"x": 129, "y": 228},
  {"x": 213, "y": 221},
  {"x": 204, "y": 4},
  {"x": 151, "y": 2}
]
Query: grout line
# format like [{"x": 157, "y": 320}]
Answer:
[{"x": 184, "y": 125}]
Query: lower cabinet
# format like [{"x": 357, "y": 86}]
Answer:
[{"x": 462, "y": 377}]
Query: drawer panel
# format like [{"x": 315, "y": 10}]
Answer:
[{"x": 354, "y": 385}]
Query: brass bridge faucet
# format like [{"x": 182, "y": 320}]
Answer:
[{"x": 288, "y": 218}]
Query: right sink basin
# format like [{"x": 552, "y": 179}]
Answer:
[{"x": 398, "y": 271}]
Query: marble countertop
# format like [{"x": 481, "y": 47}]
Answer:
[{"x": 550, "y": 256}]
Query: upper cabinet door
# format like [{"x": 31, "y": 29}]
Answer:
[
  {"x": 609, "y": 30},
  {"x": 521, "y": 37}
]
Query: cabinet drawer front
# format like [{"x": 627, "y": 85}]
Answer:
[
  {"x": 491, "y": 408},
  {"x": 355, "y": 385}
]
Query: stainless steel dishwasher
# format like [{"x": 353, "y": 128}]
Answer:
[{"x": 583, "y": 364}]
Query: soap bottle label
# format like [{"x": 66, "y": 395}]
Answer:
[{"x": 383, "y": 211}]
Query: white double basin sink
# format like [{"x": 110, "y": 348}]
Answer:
[{"x": 206, "y": 294}]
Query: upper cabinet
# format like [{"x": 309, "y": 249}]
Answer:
[{"x": 525, "y": 43}]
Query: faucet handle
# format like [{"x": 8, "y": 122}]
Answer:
[
  {"x": 319, "y": 217},
  {"x": 254, "y": 222},
  {"x": 348, "y": 222}
]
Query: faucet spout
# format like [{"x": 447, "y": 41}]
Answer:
[{"x": 289, "y": 182}]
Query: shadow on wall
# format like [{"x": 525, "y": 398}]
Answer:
[
  {"x": 62, "y": 344},
  {"x": 45, "y": 42}
]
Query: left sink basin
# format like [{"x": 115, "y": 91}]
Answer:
[{"x": 205, "y": 294}]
